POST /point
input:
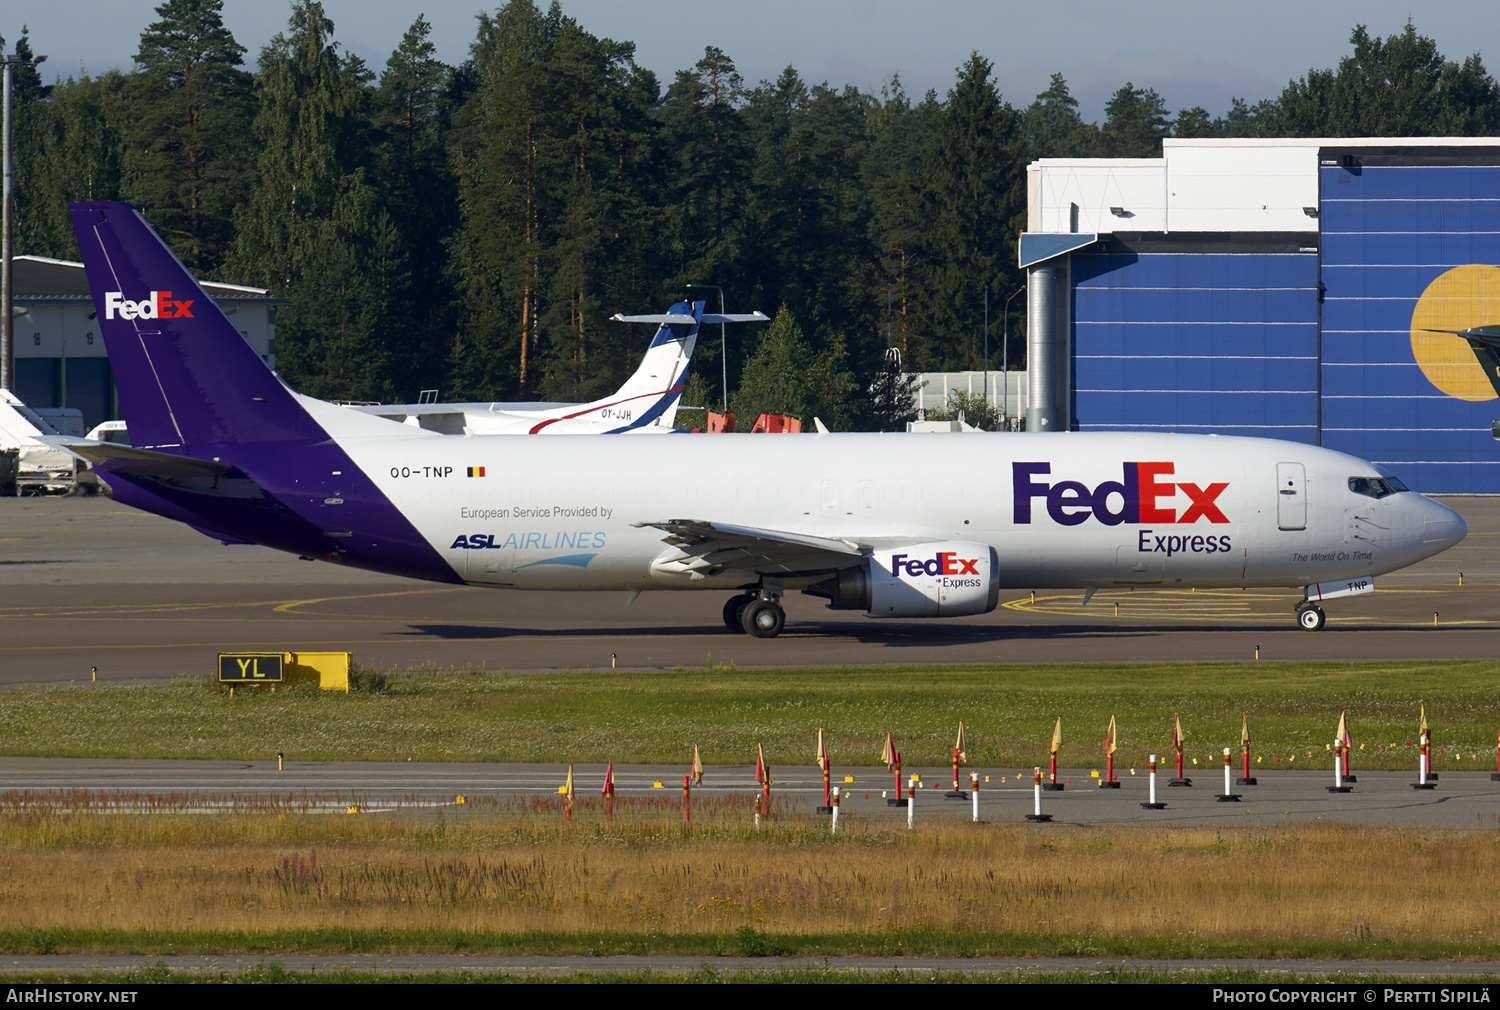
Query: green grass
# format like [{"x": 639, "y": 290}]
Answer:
[
  {"x": 710, "y": 974},
  {"x": 744, "y": 943},
  {"x": 1009, "y": 712}
]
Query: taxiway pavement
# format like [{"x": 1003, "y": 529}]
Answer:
[{"x": 86, "y": 582}]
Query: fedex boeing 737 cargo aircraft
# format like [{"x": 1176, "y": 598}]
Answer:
[{"x": 894, "y": 525}]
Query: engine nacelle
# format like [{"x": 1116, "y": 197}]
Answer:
[{"x": 946, "y": 579}]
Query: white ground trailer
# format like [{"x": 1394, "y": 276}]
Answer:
[{"x": 40, "y": 467}]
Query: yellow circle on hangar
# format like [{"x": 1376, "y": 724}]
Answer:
[{"x": 1457, "y": 299}]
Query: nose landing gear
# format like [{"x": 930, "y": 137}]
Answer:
[{"x": 1310, "y": 617}]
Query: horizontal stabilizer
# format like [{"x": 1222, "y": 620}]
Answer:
[
  {"x": 663, "y": 318},
  {"x": 682, "y": 319},
  {"x": 129, "y": 461},
  {"x": 736, "y": 317}
]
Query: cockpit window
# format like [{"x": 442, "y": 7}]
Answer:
[{"x": 1376, "y": 487}]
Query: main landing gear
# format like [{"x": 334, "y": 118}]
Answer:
[
  {"x": 1310, "y": 617},
  {"x": 759, "y": 616}
]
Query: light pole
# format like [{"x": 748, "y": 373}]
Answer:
[
  {"x": 1005, "y": 355},
  {"x": 7, "y": 322},
  {"x": 723, "y": 342}
]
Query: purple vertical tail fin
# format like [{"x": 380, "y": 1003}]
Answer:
[{"x": 187, "y": 379}]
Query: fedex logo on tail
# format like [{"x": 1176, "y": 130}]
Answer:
[
  {"x": 159, "y": 306},
  {"x": 1138, "y": 497}
]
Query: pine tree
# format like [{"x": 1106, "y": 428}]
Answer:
[
  {"x": 704, "y": 132},
  {"x": 1053, "y": 127},
  {"x": 975, "y": 187},
  {"x": 496, "y": 251},
  {"x": 25, "y": 80},
  {"x": 417, "y": 190},
  {"x": 41, "y": 136},
  {"x": 311, "y": 228},
  {"x": 775, "y": 377},
  {"x": 900, "y": 133},
  {"x": 409, "y": 104},
  {"x": 893, "y": 399},
  {"x": 782, "y": 196},
  {"x": 1135, "y": 123},
  {"x": 303, "y": 130},
  {"x": 1399, "y": 86},
  {"x": 1241, "y": 120},
  {"x": 554, "y": 163},
  {"x": 187, "y": 155},
  {"x": 68, "y": 148},
  {"x": 584, "y": 87},
  {"x": 807, "y": 242},
  {"x": 1194, "y": 122}
]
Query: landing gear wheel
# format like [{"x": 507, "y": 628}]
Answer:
[
  {"x": 763, "y": 618},
  {"x": 734, "y": 611},
  {"x": 1310, "y": 617}
]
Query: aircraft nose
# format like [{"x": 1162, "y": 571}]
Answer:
[{"x": 1441, "y": 526}]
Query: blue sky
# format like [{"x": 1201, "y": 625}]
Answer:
[{"x": 1192, "y": 53}]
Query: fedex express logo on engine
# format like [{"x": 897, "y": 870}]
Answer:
[
  {"x": 159, "y": 306},
  {"x": 944, "y": 563},
  {"x": 1136, "y": 498}
]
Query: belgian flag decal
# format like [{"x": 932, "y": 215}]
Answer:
[{"x": 476, "y": 471}]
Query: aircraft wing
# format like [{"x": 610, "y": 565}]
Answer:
[
  {"x": 705, "y": 548},
  {"x": 692, "y": 532},
  {"x": 1486, "y": 336}
]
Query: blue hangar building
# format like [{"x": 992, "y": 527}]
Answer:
[{"x": 1278, "y": 288}]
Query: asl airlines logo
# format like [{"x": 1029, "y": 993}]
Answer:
[
  {"x": 159, "y": 306},
  {"x": 1135, "y": 498}
]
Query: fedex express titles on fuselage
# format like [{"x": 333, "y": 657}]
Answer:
[
  {"x": 1139, "y": 495},
  {"x": 1167, "y": 510}
]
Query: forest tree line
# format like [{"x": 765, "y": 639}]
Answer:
[{"x": 472, "y": 228}]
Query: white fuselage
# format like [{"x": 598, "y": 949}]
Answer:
[{"x": 565, "y": 513}]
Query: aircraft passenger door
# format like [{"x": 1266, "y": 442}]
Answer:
[{"x": 1291, "y": 496}]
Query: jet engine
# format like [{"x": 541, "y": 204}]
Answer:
[{"x": 947, "y": 579}]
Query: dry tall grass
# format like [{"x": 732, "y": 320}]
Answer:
[{"x": 516, "y": 870}]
